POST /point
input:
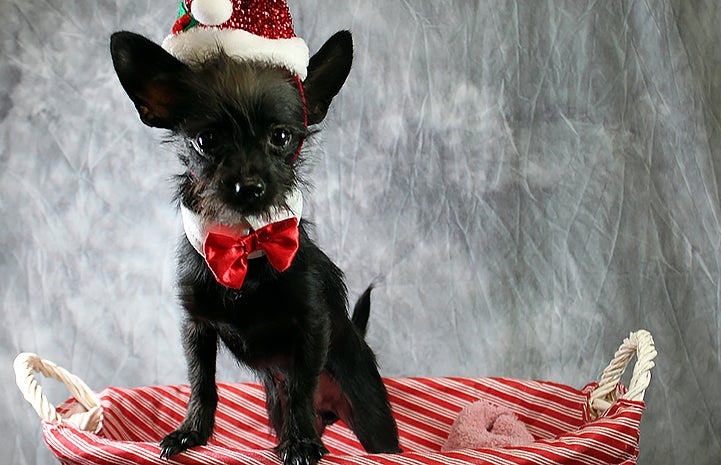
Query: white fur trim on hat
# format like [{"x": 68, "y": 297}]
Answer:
[
  {"x": 212, "y": 12},
  {"x": 198, "y": 44}
]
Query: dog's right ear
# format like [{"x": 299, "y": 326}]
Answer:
[
  {"x": 327, "y": 72},
  {"x": 154, "y": 80}
]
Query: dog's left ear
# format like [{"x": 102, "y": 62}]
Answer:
[
  {"x": 155, "y": 81},
  {"x": 327, "y": 71}
]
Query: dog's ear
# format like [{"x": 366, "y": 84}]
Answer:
[
  {"x": 154, "y": 80},
  {"x": 327, "y": 71}
]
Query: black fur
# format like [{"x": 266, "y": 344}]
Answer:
[{"x": 238, "y": 128}]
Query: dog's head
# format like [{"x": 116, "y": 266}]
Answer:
[{"x": 239, "y": 124}]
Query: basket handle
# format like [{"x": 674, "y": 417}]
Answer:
[
  {"x": 25, "y": 366},
  {"x": 639, "y": 343}
]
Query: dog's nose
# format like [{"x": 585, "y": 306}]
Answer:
[{"x": 250, "y": 188}]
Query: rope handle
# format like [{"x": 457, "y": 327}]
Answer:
[
  {"x": 89, "y": 419},
  {"x": 639, "y": 343}
]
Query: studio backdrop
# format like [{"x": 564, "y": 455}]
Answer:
[{"x": 525, "y": 182}]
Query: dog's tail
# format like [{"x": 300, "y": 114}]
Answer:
[{"x": 362, "y": 311}]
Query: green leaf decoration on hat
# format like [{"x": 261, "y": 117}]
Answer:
[{"x": 185, "y": 19}]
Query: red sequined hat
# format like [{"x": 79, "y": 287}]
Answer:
[{"x": 255, "y": 30}]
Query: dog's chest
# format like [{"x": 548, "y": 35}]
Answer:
[
  {"x": 262, "y": 343},
  {"x": 260, "y": 331}
]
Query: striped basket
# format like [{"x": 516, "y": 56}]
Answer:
[{"x": 597, "y": 425}]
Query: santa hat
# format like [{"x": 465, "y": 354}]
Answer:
[{"x": 253, "y": 30}]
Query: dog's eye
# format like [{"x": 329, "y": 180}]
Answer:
[
  {"x": 280, "y": 137},
  {"x": 206, "y": 140}
]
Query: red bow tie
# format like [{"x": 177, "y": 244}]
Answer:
[{"x": 227, "y": 256}]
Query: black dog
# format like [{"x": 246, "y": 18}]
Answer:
[{"x": 239, "y": 126}]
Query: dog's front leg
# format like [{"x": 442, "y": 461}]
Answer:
[
  {"x": 200, "y": 342},
  {"x": 299, "y": 440}
]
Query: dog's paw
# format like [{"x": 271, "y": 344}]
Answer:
[
  {"x": 179, "y": 441},
  {"x": 301, "y": 451}
]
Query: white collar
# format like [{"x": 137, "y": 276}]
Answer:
[{"x": 196, "y": 229}]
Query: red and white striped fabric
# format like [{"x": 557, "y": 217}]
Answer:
[{"x": 134, "y": 421}]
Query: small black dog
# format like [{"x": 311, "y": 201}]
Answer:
[{"x": 239, "y": 126}]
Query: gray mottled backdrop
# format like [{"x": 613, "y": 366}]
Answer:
[{"x": 526, "y": 182}]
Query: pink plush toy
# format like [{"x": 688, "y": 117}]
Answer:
[{"x": 482, "y": 424}]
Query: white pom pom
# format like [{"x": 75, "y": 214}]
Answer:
[{"x": 212, "y": 12}]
